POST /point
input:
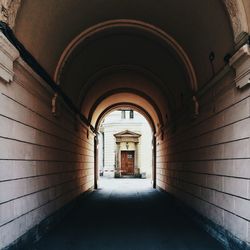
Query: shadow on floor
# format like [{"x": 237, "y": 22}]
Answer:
[{"x": 126, "y": 214}]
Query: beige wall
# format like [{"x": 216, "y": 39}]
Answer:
[
  {"x": 45, "y": 162},
  {"x": 206, "y": 162}
]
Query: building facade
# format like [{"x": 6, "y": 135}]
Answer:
[{"x": 125, "y": 145}]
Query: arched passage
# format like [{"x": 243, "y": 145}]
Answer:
[
  {"x": 125, "y": 97},
  {"x": 171, "y": 61},
  {"x": 152, "y": 123}
]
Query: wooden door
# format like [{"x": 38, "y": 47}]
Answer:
[{"x": 127, "y": 162}]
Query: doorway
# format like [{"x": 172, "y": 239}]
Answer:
[{"x": 127, "y": 163}]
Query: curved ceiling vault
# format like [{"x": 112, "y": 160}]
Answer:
[
  {"x": 47, "y": 27},
  {"x": 155, "y": 52}
]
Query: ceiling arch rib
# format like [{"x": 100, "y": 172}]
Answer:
[
  {"x": 125, "y": 99},
  {"x": 237, "y": 14},
  {"x": 117, "y": 70},
  {"x": 121, "y": 82},
  {"x": 125, "y": 91},
  {"x": 126, "y": 23}
]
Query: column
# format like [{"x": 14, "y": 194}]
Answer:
[{"x": 117, "y": 164}]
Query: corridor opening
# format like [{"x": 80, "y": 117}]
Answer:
[{"x": 125, "y": 145}]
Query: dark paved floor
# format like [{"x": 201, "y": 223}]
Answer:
[{"x": 126, "y": 214}]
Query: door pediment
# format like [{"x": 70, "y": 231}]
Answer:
[{"x": 127, "y": 136}]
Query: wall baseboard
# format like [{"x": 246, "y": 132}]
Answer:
[
  {"x": 227, "y": 239},
  {"x": 26, "y": 241}
]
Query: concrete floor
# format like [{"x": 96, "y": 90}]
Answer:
[{"x": 126, "y": 214}]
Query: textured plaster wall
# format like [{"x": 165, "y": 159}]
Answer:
[
  {"x": 45, "y": 161},
  {"x": 206, "y": 162}
]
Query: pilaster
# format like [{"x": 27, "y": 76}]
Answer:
[
  {"x": 8, "y": 55},
  {"x": 240, "y": 61}
]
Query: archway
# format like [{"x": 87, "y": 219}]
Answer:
[{"x": 152, "y": 124}]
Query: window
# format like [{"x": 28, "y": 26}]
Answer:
[
  {"x": 123, "y": 114},
  {"x": 131, "y": 114}
]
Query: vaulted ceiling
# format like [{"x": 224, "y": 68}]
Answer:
[{"x": 47, "y": 27}]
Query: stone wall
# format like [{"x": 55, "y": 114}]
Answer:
[
  {"x": 206, "y": 162},
  {"x": 45, "y": 161}
]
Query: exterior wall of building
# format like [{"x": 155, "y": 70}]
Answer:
[
  {"x": 45, "y": 161},
  {"x": 113, "y": 124},
  {"x": 206, "y": 162}
]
